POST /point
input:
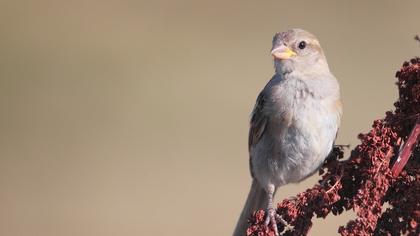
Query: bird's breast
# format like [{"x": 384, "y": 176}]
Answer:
[{"x": 303, "y": 127}]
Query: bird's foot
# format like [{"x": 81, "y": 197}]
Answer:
[{"x": 271, "y": 218}]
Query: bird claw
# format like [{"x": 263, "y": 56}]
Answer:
[{"x": 271, "y": 218}]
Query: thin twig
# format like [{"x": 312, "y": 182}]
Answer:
[
  {"x": 335, "y": 184},
  {"x": 342, "y": 146},
  {"x": 407, "y": 150}
]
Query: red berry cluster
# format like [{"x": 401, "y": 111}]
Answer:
[{"x": 364, "y": 182}]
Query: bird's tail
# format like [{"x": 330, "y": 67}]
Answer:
[{"x": 257, "y": 199}]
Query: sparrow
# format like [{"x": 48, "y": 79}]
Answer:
[{"x": 294, "y": 122}]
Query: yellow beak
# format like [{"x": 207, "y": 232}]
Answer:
[{"x": 282, "y": 52}]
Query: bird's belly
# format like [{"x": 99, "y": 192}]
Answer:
[
  {"x": 301, "y": 152},
  {"x": 306, "y": 143},
  {"x": 295, "y": 152}
]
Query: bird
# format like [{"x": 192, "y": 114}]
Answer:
[{"x": 294, "y": 122}]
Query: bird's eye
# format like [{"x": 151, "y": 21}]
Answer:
[{"x": 302, "y": 45}]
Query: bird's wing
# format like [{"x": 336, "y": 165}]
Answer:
[
  {"x": 258, "y": 122},
  {"x": 258, "y": 125}
]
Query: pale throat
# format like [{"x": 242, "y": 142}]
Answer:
[{"x": 318, "y": 66}]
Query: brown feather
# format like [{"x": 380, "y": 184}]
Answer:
[{"x": 257, "y": 126}]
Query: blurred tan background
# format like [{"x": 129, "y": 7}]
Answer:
[{"x": 131, "y": 117}]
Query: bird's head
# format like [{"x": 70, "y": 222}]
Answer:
[{"x": 297, "y": 49}]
